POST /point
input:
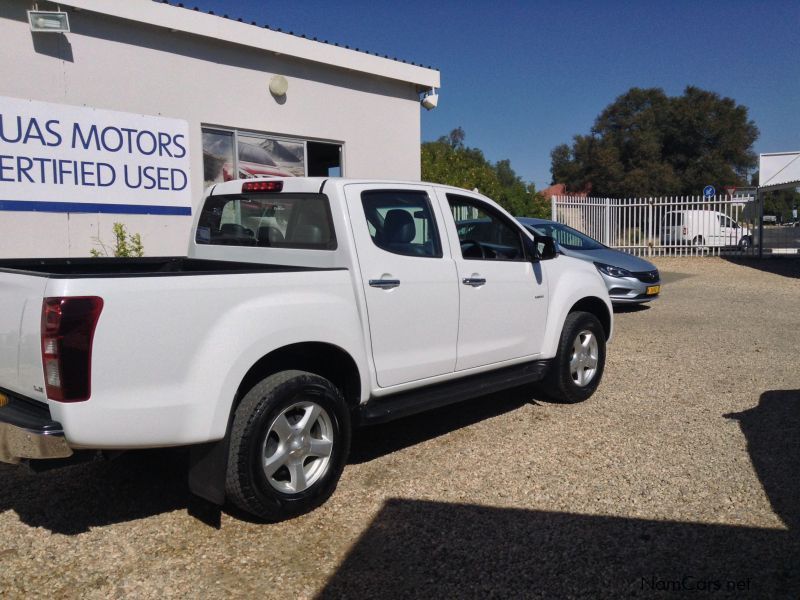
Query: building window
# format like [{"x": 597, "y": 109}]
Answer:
[
  {"x": 324, "y": 160},
  {"x": 218, "y": 156},
  {"x": 233, "y": 154}
]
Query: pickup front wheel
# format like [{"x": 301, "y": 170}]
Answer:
[
  {"x": 578, "y": 366},
  {"x": 289, "y": 444}
]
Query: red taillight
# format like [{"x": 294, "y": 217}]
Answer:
[
  {"x": 262, "y": 186},
  {"x": 68, "y": 326}
]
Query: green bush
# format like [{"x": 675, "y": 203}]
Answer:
[{"x": 125, "y": 244}]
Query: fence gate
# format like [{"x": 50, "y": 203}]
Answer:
[{"x": 666, "y": 226}]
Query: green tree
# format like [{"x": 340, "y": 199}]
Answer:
[
  {"x": 780, "y": 202},
  {"x": 450, "y": 162},
  {"x": 647, "y": 143}
]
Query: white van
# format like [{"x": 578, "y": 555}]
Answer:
[{"x": 708, "y": 228}]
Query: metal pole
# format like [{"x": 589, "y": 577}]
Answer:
[{"x": 760, "y": 214}]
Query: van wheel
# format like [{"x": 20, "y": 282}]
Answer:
[
  {"x": 698, "y": 241},
  {"x": 289, "y": 444},
  {"x": 580, "y": 360},
  {"x": 745, "y": 243}
]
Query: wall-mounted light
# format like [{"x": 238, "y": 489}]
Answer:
[
  {"x": 48, "y": 21},
  {"x": 278, "y": 86},
  {"x": 430, "y": 100}
]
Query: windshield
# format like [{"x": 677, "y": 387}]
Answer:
[
  {"x": 272, "y": 220},
  {"x": 567, "y": 237}
]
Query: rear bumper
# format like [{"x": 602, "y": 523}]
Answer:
[{"x": 28, "y": 432}]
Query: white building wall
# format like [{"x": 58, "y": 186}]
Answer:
[{"x": 113, "y": 64}]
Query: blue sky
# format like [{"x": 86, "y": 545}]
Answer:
[{"x": 522, "y": 77}]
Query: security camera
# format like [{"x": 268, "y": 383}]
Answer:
[{"x": 431, "y": 100}]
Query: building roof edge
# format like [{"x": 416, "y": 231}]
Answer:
[{"x": 178, "y": 18}]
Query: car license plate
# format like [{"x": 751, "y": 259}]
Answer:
[{"x": 653, "y": 289}]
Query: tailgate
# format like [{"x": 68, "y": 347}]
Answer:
[{"x": 20, "y": 343}]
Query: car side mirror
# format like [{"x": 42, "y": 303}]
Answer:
[
  {"x": 544, "y": 247},
  {"x": 547, "y": 247}
]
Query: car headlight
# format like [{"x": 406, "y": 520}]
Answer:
[{"x": 612, "y": 271}]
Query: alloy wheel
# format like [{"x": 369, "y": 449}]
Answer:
[
  {"x": 584, "y": 358},
  {"x": 297, "y": 449}
]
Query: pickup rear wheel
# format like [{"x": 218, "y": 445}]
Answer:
[
  {"x": 289, "y": 444},
  {"x": 578, "y": 366}
]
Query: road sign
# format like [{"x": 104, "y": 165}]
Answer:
[
  {"x": 709, "y": 191},
  {"x": 730, "y": 190}
]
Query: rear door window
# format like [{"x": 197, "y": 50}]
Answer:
[{"x": 401, "y": 222}]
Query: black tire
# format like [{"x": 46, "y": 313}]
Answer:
[
  {"x": 255, "y": 429},
  {"x": 698, "y": 241},
  {"x": 559, "y": 384},
  {"x": 745, "y": 243}
]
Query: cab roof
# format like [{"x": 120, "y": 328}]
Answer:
[{"x": 313, "y": 185}]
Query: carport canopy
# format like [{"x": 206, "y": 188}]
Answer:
[{"x": 778, "y": 171}]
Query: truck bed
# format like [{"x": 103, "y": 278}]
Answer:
[
  {"x": 169, "y": 332},
  {"x": 75, "y": 268}
]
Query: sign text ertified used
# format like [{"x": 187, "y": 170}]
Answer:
[{"x": 59, "y": 153}]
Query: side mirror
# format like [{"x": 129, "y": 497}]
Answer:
[{"x": 544, "y": 247}]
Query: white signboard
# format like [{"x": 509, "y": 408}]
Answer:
[
  {"x": 779, "y": 168},
  {"x": 60, "y": 158}
]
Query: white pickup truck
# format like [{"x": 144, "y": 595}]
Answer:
[{"x": 305, "y": 307}]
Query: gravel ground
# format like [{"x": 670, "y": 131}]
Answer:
[{"x": 681, "y": 474}]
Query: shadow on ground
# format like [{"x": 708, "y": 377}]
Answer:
[
  {"x": 630, "y": 308},
  {"x": 137, "y": 485},
  {"x": 772, "y": 430},
  {"x": 375, "y": 441},
  {"x": 785, "y": 266},
  {"x": 74, "y": 499},
  {"x": 431, "y": 549},
  {"x": 669, "y": 277}
]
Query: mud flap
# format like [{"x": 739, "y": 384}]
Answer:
[{"x": 208, "y": 464}]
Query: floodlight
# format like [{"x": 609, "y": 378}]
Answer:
[{"x": 48, "y": 21}]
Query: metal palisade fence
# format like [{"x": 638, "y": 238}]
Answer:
[{"x": 666, "y": 226}]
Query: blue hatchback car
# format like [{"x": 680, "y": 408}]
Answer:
[{"x": 630, "y": 279}]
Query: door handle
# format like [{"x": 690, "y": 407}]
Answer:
[
  {"x": 474, "y": 281},
  {"x": 385, "y": 284}
]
